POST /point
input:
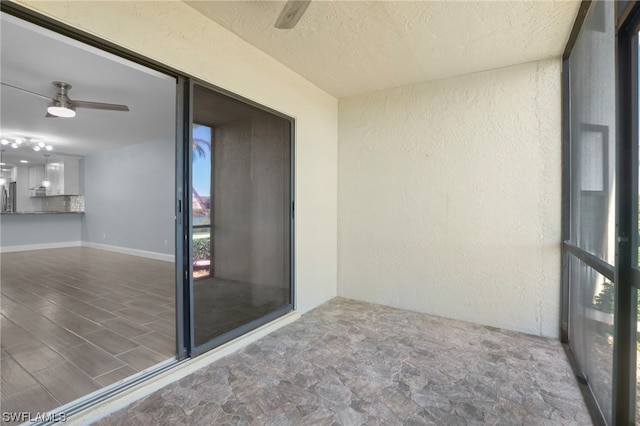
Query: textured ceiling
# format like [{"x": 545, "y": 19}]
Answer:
[{"x": 351, "y": 47}]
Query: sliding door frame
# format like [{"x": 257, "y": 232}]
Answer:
[
  {"x": 625, "y": 273},
  {"x": 184, "y": 255},
  {"x": 195, "y": 350},
  {"x": 183, "y": 172},
  {"x": 624, "y": 356},
  {"x": 90, "y": 400}
]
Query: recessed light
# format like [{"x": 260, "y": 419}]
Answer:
[{"x": 23, "y": 161}]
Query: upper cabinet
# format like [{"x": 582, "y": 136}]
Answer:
[
  {"x": 64, "y": 177},
  {"x": 9, "y": 173},
  {"x": 36, "y": 175}
]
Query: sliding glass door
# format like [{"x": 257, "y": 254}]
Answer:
[
  {"x": 600, "y": 207},
  {"x": 591, "y": 242},
  {"x": 241, "y": 215}
]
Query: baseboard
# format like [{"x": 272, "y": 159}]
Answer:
[
  {"x": 132, "y": 252},
  {"x": 44, "y": 246}
]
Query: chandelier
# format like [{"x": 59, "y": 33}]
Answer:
[{"x": 26, "y": 143}]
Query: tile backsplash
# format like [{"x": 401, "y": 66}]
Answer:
[{"x": 63, "y": 203}]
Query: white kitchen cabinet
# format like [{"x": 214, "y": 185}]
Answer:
[
  {"x": 64, "y": 177},
  {"x": 36, "y": 175},
  {"x": 8, "y": 173}
]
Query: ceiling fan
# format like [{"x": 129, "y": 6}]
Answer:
[
  {"x": 291, "y": 14},
  {"x": 61, "y": 105}
]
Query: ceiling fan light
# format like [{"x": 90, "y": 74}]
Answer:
[
  {"x": 18, "y": 141},
  {"x": 61, "y": 110},
  {"x": 36, "y": 148},
  {"x": 41, "y": 144},
  {"x": 48, "y": 147},
  {"x": 46, "y": 183},
  {"x": 14, "y": 145},
  {"x": 4, "y": 142}
]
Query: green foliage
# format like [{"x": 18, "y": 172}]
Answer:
[
  {"x": 605, "y": 300},
  {"x": 201, "y": 249}
]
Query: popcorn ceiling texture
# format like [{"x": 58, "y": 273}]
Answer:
[
  {"x": 355, "y": 47},
  {"x": 449, "y": 197}
]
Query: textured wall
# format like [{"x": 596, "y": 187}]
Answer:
[
  {"x": 449, "y": 197},
  {"x": 177, "y": 35}
]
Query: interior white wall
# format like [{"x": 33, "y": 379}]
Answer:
[
  {"x": 449, "y": 197},
  {"x": 176, "y": 35},
  {"x": 129, "y": 197}
]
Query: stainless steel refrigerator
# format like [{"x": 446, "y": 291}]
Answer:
[{"x": 8, "y": 197}]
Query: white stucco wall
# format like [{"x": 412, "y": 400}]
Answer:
[
  {"x": 178, "y": 36},
  {"x": 449, "y": 197}
]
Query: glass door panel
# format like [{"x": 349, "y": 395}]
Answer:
[
  {"x": 241, "y": 217},
  {"x": 201, "y": 201},
  {"x": 592, "y": 151},
  {"x": 592, "y": 333}
]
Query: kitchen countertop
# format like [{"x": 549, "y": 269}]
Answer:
[{"x": 32, "y": 213}]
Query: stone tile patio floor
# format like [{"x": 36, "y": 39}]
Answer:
[{"x": 352, "y": 363}]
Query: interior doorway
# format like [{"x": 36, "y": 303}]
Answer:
[{"x": 88, "y": 265}]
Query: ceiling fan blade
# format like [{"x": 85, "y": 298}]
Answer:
[
  {"x": 27, "y": 91},
  {"x": 49, "y": 115},
  {"x": 99, "y": 105},
  {"x": 291, "y": 13}
]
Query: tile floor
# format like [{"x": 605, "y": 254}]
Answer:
[
  {"x": 351, "y": 363},
  {"x": 77, "y": 319}
]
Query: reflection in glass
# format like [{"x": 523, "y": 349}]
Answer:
[
  {"x": 592, "y": 222},
  {"x": 241, "y": 214},
  {"x": 592, "y": 66},
  {"x": 591, "y": 334}
]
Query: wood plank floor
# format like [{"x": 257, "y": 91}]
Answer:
[{"x": 74, "y": 320}]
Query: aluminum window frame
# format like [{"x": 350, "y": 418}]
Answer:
[{"x": 625, "y": 273}]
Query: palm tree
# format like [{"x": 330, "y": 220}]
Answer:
[{"x": 200, "y": 146}]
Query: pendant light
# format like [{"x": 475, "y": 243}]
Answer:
[
  {"x": 2, "y": 179},
  {"x": 46, "y": 182}
]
